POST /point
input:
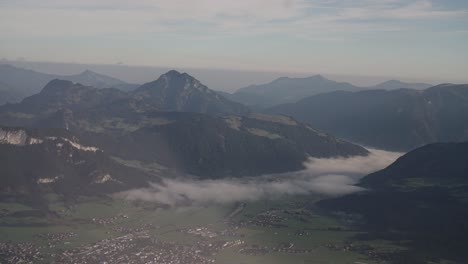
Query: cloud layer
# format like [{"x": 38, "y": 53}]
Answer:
[
  {"x": 381, "y": 38},
  {"x": 329, "y": 177},
  {"x": 207, "y": 17}
]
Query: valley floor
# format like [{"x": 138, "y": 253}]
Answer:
[{"x": 109, "y": 230}]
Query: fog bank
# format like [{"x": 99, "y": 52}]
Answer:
[{"x": 331, "y": 177}]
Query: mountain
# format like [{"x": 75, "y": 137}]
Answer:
[
  {"x": 289, "y": 90},
  {"x": 23, "y": 83},
  {"x": 97, "y": 80},
  {"x": 396, "y": 84},
  {"x": 8, "y": 94},
  {"x": 27, "y": 82},
  {"x": 59, "y": 94},
  {"x": 422, "y": 198},
  {"x": 216, "y": 147},
  {"x": 395, "y": 120},
  {"x": 57, "y": 102},
  {"x": 175, "y": 91},
  {"x": 285, "y": 90},
  {"x": 34, "y": 162},
  {"x": 138, "y": 126}
]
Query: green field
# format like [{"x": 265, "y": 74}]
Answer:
[{"x": 324, "y": 243}]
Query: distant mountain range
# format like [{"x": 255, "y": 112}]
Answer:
[
  {"x": 420, "y": 199},
  {"x": 396, "y": 120},
  {"x": 97, "y": 80},
  {"x": 179, "y": 123},
  {"x": 395, "y": 85},
  {"x": 9, "y": 94},
  {"x": 289, "y": 90},
  {"x": 22, "y": 83}
]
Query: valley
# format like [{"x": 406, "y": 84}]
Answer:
[
  {"x": 106, "y": 229},
  {"x": 174, "y": 172},
  {"x": 234, "y": 132}
]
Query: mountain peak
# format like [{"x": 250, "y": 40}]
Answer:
[
  {"x": 174, "y": 79},
  {"x": 175, "y": 91},
  {"x": 88, "y": 72},
  {"x": 173, "y": 73},
  {"x": 393, "y": 81},
  {"x": 318, "y": 76},
  {"x": 92, "y": 75},
  {"x": 284, "y": 78},
  {"x": 397, "y": 84},
  {"x": 175, "y": 83},
  {"x": 56, "y": 85},
  {"x": 94, "y": 79}
]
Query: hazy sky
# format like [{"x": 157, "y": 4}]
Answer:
[{"x": 416, "y": 39}]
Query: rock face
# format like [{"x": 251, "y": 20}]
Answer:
[
  {"x": 13, "y": 137},
  {"x": 421, "y": 198},
  {"x": 396, "y": 120}
]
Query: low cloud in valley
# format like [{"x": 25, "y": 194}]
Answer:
[{"x": 330, "y": 177}]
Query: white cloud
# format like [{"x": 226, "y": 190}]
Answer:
[{"x": 323, "y": 176}]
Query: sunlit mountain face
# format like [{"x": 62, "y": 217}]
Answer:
[{"x": 234, "y": 132}]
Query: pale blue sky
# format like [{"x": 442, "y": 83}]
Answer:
[{"x": 413, "y": 39}]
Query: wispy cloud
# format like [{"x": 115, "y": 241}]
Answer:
[
  {"x": 86, "y": 17},
  {"x": 362, "y": 37}
]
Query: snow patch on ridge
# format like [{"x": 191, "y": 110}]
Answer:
[
  {"x": 47, "y": 180},
  {"x": 20, "y": 137},
  {"x": 80, "y": 147},
  {"x": 17, "y": 137},
  {"x": 105, "y": 178}
]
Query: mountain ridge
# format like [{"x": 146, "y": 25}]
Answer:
[
  {"x": 419, "y": 199},
  {"x": 175, "y": 91},
  {"x": 288, "y": 90},
  {"x": 24, "y": 82},
  {"x": 400, "y": 120},
  {"x": 129, "y": 124}
]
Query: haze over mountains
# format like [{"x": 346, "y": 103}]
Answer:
[
  {"x": 175, "y": 137},
  {"x": 289, "y": 90},
  {"x": 234, "y": 132},
  {"x": 396, "y": 120},
  {"x": 22, "y": 82},
  {"x": 393, "y": 115},
  {"x": 9, "y": 94}
]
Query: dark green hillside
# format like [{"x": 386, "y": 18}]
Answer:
[
  {"x": 422, "y": 198},
  {"x": 217, "y": 146}
]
